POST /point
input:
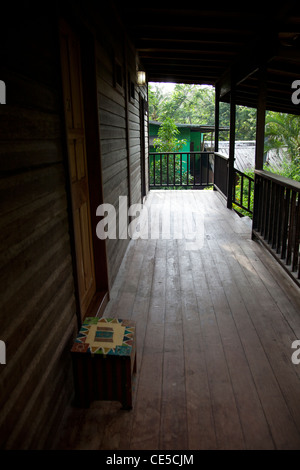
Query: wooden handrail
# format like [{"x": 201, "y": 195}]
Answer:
[
  {"x": 276, "y": 221},
  {"x": 221, "y": 173},
  {"x": 282, "y": 180},
  {"x": 183, "y": 153},
  {"x": 218, "y": 154},
  {"x": 180, "y": 169}
]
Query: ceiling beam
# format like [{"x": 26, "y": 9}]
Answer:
[
  {"x": 249, "y": 61},
  {"x": 260, "y": 52}
]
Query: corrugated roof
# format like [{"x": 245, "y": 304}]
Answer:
[{"x": 245, "y": 155}]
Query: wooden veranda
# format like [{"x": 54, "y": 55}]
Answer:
[
  {"x": 215, "y": 323},
  {"x": 216, "y": 319}
]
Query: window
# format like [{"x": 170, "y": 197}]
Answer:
[
  {"x": 118, "y": 75},
  {"x": 131, "y": 89}
]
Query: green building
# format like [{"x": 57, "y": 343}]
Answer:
[{"x": 198, "y": 137}]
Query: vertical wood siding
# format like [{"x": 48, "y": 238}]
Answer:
[
  {"x": 38, "y": 319},
  {"x": 37, "y": 315},
  {"x": 119, "y": 129}
]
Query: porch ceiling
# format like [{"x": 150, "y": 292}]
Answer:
[{"x": 205, "y": 44}]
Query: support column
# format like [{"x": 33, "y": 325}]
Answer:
[
  {"x": 217, "y": 117},
  {"x": 217, "y": 124},
  {"x": 260, "y": 119},
  {"x": 231, "y": 146},
  {"x": 260, "y": 139},
  {"x": 125, "y": 48}
]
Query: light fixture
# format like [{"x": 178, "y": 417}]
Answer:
[{"x": 141, "y": 77}]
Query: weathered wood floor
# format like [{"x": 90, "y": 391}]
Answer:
[{"x": 215, "y": 324}]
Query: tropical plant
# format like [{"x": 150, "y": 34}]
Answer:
[
  {"x": 155, "y": 98},
  {"x": 288, "y": 168},
  {"x": 195, "y": 104},
  {"x": 167, "y": 140},
  {"x": 168, "y": 169},
  {"x": 282, "y": 133},
  {"x": 242, "y": 196}
]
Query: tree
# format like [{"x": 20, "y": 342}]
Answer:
[
  {"x": 282, "y": 134},
  {"x": 166, "y": 140},
  {"x": 156, "y": 99},
  {"x": 245, "y": 123},
  {"x": 195, "y": 104},
  {"x": 189, "y": 104}
]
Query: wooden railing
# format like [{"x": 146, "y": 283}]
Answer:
[
  {"x": 197, "y": 170},
  {"x": 243, "y": 191},
  {"x": 221, "y": 173},
  {"x": 276, "y": 218},
  {"x": 274, "y": 201},
  {"x": 181, "y": 169}
]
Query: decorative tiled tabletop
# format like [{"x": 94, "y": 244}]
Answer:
[
  {"x": 107, "y": 336},
  {"x": 104, "y": 360}
]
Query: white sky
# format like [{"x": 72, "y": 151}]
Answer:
[{"x": 169, "y": 87}]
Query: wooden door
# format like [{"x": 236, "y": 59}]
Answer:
[{"x": 74, "y": 115}]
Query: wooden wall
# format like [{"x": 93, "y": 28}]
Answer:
[
  {"x": 37, "y": 314},
  {"x": 38, "y": 299},
  {"x": 119, "y": 117}
]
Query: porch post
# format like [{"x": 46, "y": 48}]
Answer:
[
  {"x": 260, "y": 138},
  {"x": 217, "y": 118},
  {"x": 125, "y": 48},
  {"x": 231, "y": 146},
  {"x": 260, "y": 119}
]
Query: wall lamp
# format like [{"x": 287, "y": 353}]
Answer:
[{"x": 141, "y": 78}]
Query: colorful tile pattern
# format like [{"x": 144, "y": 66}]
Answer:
[{"x": 107, "y": 336}]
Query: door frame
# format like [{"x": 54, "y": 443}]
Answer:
[{"x": 94, "y": 169}]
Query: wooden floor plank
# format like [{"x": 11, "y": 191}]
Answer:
[
  {"x": 228, "y": 304},
  {"x": 173, "y": 412},
  {"x": 260, "y": 305},
  {"x": 182, "y": 307},
  {"x": 224, "y": 406},
  {"x": 215, "y": 320}
]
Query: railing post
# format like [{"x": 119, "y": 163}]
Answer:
[
  {"x": 256, "y": 215},
  {"x": 231, "y": 147},
  {"x": 260, "y": 138},
  {"x": 276, "y": 221},
  {"x": 217, "y": 117},
  {"x": 260, "y": 120},
  {"x": 217, "y": 123}
]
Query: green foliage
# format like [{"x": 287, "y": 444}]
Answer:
[
  {"x": 289, "y": 169},
  {"x": 283, "y": 134},
  {"x": 167, "y": 140},
  {"x": 155, "y": 98},
  {"x": 242, "y": 197},
  {"x": 195, "y": 104},
  {"x": 189, "y": 104}
]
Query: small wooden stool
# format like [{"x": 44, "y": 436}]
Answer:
[{"x": 104, "y": 361}]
